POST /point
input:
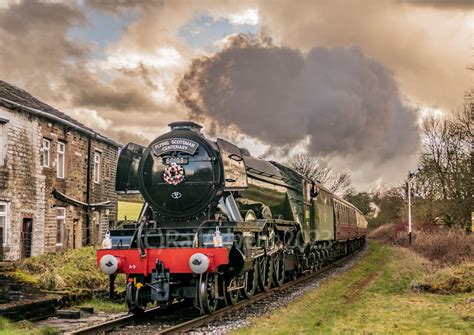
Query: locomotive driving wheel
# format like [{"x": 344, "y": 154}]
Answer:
[
  {"x": 278, "y": 268},
  {"x": 134, "y": 299},
  {"x": 207, "y": 292},
  {"x": 265, "y": 273},
  {"x": 250, "y": 282},
  {"x": 231, "y": 297}
]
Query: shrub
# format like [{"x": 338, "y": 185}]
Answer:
[
  {"x": 396, "y": 233},
  {"x": 449, "y": 280},
  {"x": 444, "y": 246},
  {"x": 383, "y": 233},
  {"x": 73, "y": 270}
]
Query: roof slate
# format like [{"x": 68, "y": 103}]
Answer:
[{"x": 20, "y": 96}]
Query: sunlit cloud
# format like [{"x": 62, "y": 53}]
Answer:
[
  {"x": 90, "y": 117},
  {"x": 249, "y": 17},
  {"x": 160, "y": 58},
  {"x": 428, "y": 111}
]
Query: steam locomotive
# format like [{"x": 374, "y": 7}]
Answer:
[{"x": 218, "y": 224}]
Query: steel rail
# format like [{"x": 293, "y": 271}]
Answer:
[
  {"x": 205, "y": 319},
  {"x": 105, "y": 326},
  {"x": 121, "y": 321}
]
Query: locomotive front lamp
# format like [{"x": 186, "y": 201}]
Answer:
[
  {"x": 199, "y": 263},
  {"x": 109, "y": 264}
]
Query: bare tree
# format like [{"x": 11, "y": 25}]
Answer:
[
  {"x": 312, "y": 168},
  {"x": 445, "y": 161}
]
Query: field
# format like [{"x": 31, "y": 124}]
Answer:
[
  {"x": 128, "y": 210},
  {"x": 378, "y": 295}
]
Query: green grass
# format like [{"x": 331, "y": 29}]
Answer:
[
  {"x": 24, "y": 327},
  {"x": 449, "y": 280},
  {"x": 129, "y": 210},
  {"x": 375, "y": 296},
  {"x": 105, "y": 306}
]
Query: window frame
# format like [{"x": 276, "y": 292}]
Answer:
[
  {"x": 61, "y": 155},
  {"x": 97, "y": 166},
  {"x": 46, "y": 152},
  {"x": 6, "y": 223},
  {"x": 64, "y": 219}
]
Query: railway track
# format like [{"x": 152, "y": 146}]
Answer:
[{"x": 204, "y": 319}]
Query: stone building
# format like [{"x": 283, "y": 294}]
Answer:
[{"x": 57, "y": 178}]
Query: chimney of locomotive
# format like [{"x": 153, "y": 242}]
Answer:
[{"x": 187, "y": 125}]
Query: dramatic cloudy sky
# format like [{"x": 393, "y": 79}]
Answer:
[{"x": 344, "y": 80}]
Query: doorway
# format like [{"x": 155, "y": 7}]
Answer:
[{"x": 26, "y": 237}]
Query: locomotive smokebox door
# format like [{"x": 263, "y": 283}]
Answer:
[
  {"x": 180, "y": 174},
  {"x": 235, "y": 175}
]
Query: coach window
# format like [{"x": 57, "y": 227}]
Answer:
[
  {"x": 61, "y": 159},
  {"x": 46, "y": 152},
  {"x": 4, "y": 222},
  {"x": 60, "y": 224},
  {"x": 97, "y": 161}
]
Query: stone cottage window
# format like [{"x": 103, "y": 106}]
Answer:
[
  {"x": 46, "y": 152},
  {"x": 97, "y": 158},
  {"x": 61, "y": 158},
  {"x": 3, "y": 222},
  {"x": 60, "y": 224}
]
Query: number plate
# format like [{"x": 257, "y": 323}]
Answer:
[{"x": 176, "y": 160}]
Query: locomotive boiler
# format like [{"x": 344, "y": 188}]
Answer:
[{"x": 218, "y": 224}]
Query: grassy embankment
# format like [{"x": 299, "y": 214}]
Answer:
[
  {"x": 24, "y": 327},
  {"x": 378, "y": 296},
  {"x": 74, "y": 274}
]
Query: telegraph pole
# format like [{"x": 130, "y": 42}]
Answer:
[{"x": 410, "y": 176}]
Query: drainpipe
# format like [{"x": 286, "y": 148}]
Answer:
[{"x": 88, "y": 191}]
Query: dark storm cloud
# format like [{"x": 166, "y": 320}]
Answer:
[
  {"x": 142, "y": 72},
  {"x": 123, "y": 136},
  {"x": 38, "y": 54},
  {"x": 122, "y": 94},
  {"x": 442, "y": 4},
  {"x": 115, "y": 6},
  {"x": 344, "y": 102},
  {"x": 427, "y": 47},
  {"x": 34, "y": 47}
]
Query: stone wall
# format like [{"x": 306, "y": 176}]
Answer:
[
  {"x": 22, "y": 181},
  {"x": 105, "y": 189},
  {"x": 27, "y": 186}
]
